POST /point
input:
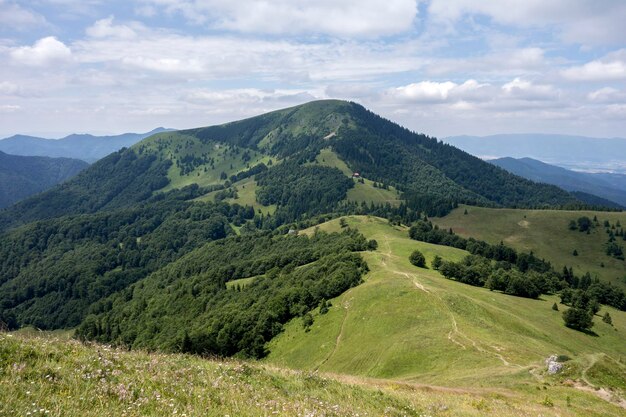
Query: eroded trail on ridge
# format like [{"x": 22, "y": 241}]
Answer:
[
  {"x": 346, "y": 306},
  {"x": 455, "y": 335}
]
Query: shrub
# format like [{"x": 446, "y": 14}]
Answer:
[{"x": 418, "y": 259}]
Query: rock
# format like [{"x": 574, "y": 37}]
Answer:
[{"x": 553, "y": 365}]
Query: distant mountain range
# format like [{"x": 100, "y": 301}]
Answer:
[
  {"x": 572, "y": 152},
  {"x": 606, "y": 185},
  {"x": 89, "y": 148},
  {"x": 23, "y": 176}
]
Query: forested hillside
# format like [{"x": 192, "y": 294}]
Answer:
[
  {"x": 111, "y": 239},
  {"x": 119, "y": 180},
  {"x": 23, "y": 176}
]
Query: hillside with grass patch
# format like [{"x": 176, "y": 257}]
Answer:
[
  {"x": 46, "y": 375},
  {"x": 410, "y": 323},
  {"x": 546, "y": 233}
]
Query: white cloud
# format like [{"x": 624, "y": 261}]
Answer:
[
  {"x": 366, "y": 18},
  {"x": 425, "y": 91},
  {"x": 9, "y": 108},
  {"x": 248, "y": 96},
  {"x": 607, "y": 95},
  {"x": 581, "y": 21},
  {"x": 14, "y": 16},
  {"x": 45, "y": 51},
  {"x": 433, "y": 92},
  {"x": 164, "y": 65},
  {"x": 597, "y": 71},
  {"x": 8, "y": 88},
  {"x": 104, "y": 28},
  {"x": 526, "y": 90}
]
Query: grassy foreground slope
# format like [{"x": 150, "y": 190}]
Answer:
[
  {"x": 545, "y": 232},
  {"x": 411, "y": 324},
  {"x": 48, "y": 376}
]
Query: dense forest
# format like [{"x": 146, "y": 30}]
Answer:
[
  {"x": 188, "y": 307},
  {"x": 23, "y": 176},
  {"x": 52, "y": 271},
  {"x": 118, "y": 180}
]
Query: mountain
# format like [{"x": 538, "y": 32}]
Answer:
[
  {"x": 285, "y": 238},
  {"x": 574, "y": 152},
  {"x": 609, "y": 186},
  {"x": 23, "y": 176},
  {"x": 426, "y": 170},
  {"x": 89, "y": 148},
  {"x": 134, "y": 209}
]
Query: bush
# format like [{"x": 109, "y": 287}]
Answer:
[
  {"x": 437, "y": 261},
  {"x": 578, "y": 318},
  {"x": 418, "y": 259}
]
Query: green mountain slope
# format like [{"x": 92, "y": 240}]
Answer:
[
  {"x": 546, "y": 233},
  {"x": 377, "y": 148},
  {"x": 23, "y": 176},
  {"x": 410, "y": 323},
  {"x": 46, "y": 375},
  {"x": 149, "y": 249}
]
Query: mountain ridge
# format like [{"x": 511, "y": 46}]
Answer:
[
  {"x": 86, "y": 147},
  {"x": 23, "y": 176},
  {"x": 568, "y": 151},
  {"x": 421, "y": 167},
  {"x": 608, "y": 186}
]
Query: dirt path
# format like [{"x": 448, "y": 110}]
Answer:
[
  {"x": 346, "y": 306},
  {"x": 455, "y": 335}
]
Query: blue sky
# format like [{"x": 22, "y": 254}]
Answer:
[{"x": 441, "y": 67}]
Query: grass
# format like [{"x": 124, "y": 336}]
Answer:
[
  {"x": 362, "y": 192},
  {"x": 404, "y": 342},
  {"x": 246, "y": 196},
  {"x": 546, "y": 233},
  {"x": 176, "y": 145},
  {"x": 46, "y": 376},
  {"x": 368, "y": 193},
  {"x": 411, "y": 324},
  {"x": 242, "y": 282}
]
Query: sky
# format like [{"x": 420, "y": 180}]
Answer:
[{"x": 440, "y": 67}]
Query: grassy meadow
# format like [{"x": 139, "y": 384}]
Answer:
[
  {"x": 411, "y": 324},
  {"x": 406, "y": 342},
  {"x": 546, "y": 233}
]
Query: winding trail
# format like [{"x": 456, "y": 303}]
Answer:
[
  {"x": 346, "y": 306},
  {"x": 455, "y": 334}
]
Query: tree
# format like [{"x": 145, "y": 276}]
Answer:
[
  {"x": 307, "y": 322},
  {"x": 555, "y": 307},
  {"x": 607, "y": 318},
  {"x": 575, "y": 253},
  {"x": 465, "y": 212},
  {"x": 343, "y": 223},
  {"x": 418, "y": 259},
  {"x": 372, "y": 244},
  {"x": 323, "y": 306},
  {"x": 436, "y": 263},
  {"x": 578, "y": 318},
  {"x": 572, "y": 225},
  {"x": 584, "y": 223}
]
